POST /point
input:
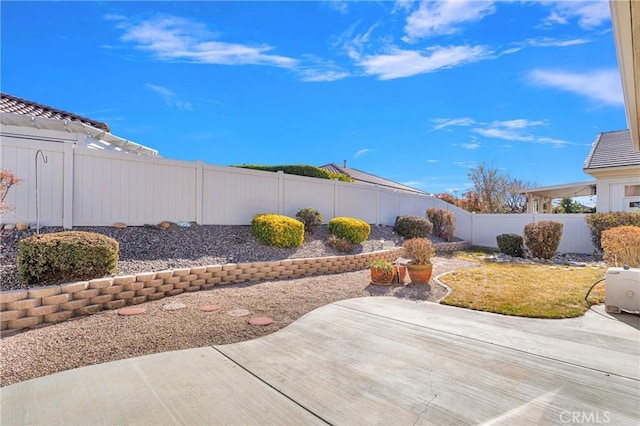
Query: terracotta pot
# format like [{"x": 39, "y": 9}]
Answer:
[
  {"x": 381, "y": 276},
  {"x": 399, "y": 274},
  {"x": 420, "y": 274}
]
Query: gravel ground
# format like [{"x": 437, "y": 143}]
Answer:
[
  {"x": 107, "y": 336},
  {"x": 150, "y": 248}
]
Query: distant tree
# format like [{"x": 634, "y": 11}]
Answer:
[
  {"x": 515, "y": 201},
  {"x": 491, "y": 186},
  {"x": 567, "y": 205},
  {"x": 445, "y": 196},
  {"x": 7, "y": 180},
  {"x": 471, "y": 201}
]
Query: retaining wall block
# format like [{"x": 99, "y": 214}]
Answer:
[
  {"x": 88, "y": 310},
  {"x": 42, "y": 310},
  {"x": 128, "y": 294},
  {"x": 182, "y": 284},
  {"x": 175, "y": 292},
  {"x": 164, "y": 288},
  {"x": 137, "y": 300},
  {"x": 164, "y": 274},
  {"x": 198, "y": 270},
  {"x": 145, "y": 291},
  {"x": 39, "y": 292},
  {"x": 25, "y": 322},
  {"x": 155, "y": 296},
  {"x": 74, "y": 304},
  {"x": 101, "y": 283},
  {"x": 11, "y": 315},
  {"x": 181, "y": 272},
  {"x": 124, "y": 279},
  {"x": 58, "y": 316},
  {"x": 192, "y": 288},
  {"x": 101, "y": 300},
  {"x": 115, "y": 304},
  {"x": 86, "y": 294},
  {"x": 74, "y": 287},
  {"x": 57, "y": 299},
  {"x": 114, "y": 289},
  {"x": 172, "y": 280},
  {"x": 145, "y": 276},
  {"x": 13, "y": 295},
  {"x": 133, "y": 286},
  {"x": 24, "y": 304},
  {"x": 214, "y": 268}
]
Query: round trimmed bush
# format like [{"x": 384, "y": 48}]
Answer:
[
  {"x": 543, "y": 238},
  {"x": 349, "y": 228},
  {"x": 277, "y": 230},
  {"x": 310, "y": 217},
  {"x": 66, "y": 256},
  {"x": 511, "y": 244},
  {"x": 412, "y": 226}
]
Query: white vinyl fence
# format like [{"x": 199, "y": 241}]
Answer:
[{"x": 87, "y": 187}]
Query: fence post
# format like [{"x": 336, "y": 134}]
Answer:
[
  {"x": 280, "y": 192},
  {"x": 335, "y": 198},
  {"x": 67, "y": 185},
  {"x": 199, "y": 191},
  {"x": 377, "y": 204}
]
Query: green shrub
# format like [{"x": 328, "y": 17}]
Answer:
[
  {"x": 349, "y": 228},
  {"x": 60, "y": 257},
  {"x": 511, "y": 244},
  {"x": 412, "y": 226},
  {"x": 444, "y": 223},
  {"x": 341, "y": 244},
  {"x": 599, "y": 222},
  {"x": 300, "y": 170},
  {"x": 621, "y": 246},
  {"x": 543, "y": 238},
  {"x": 311, "y": 218},
  {"x": 277, "y": 230}
]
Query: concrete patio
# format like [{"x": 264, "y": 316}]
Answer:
[{"x": 375, "y": 360}]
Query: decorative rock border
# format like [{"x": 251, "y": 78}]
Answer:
[{"x": 20, "y": 309}]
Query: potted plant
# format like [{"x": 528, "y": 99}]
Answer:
[
  {"x": 420, "y": 251},
  {"x": 381, "y": 272}
]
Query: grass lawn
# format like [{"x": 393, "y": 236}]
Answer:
[{"x": 527, "y": 290}]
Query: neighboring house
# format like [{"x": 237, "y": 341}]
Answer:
[
  {"x": 364, "y": 177},
  {"x": 26, "y": 119},
  {"x": 614, "y": 164}
]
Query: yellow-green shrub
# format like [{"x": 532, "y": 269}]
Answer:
[
  {"x": 66, "y": 256},
  {"x": 621, "y": 246},
  {"x": 277, "y": 230},
  {"x": 349, "y": 228}
]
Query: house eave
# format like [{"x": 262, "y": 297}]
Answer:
[
  {"x": 625, "y": 19},
  {"x": 614, "y": 172}
]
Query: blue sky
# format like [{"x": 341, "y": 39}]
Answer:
[{"x": 416, "y": 92}]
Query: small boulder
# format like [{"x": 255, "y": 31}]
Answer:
[
  {"x": 119, "y": 225},
  {"x": 22, "y": 226},
  {"x": 165, "y": 225},
  {"x": 9, "y": 227}
]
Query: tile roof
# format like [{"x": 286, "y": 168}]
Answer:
[
  {"x": 612, "y": 149},
  {"x": 360, "y": 176},
  {"x": 14, "y": 105}
]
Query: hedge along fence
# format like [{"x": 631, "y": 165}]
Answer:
[{"x": 38, "y": 306}]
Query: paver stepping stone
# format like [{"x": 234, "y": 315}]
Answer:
[
  {"x": 173, "y": 306},
  {"x": 260, "y": 321},
  {"x": 131, "y": 311},
  {"x": 210, "y": 308},
  {"x": 239, "y": 312}
]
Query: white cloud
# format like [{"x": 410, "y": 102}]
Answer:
[
  {"x": 400, "y": 63},
  {"x": 169, "y": 98},
  {"x": 589, "y": 14},
  {"x": 444, "y": 17},
  {"x": 465, "y": 164},
  {"x": 172, "y": 38},
  {"x": 470, "y": 145},
  {"x": 553, "y": 42},
  {"x": 441, "y": 123},
  {"x": 341, "y": 6},
  {"x": 362, "y": 152},
  {"x": 433, "y": 161},
  {"x": 601, "y": 86}
]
